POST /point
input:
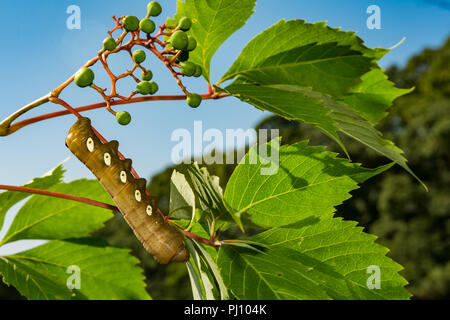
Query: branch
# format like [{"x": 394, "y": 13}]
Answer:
[
  {"x": 60, "y": 196},
  {"x": 209, "y": 242},
  {"x": 6, "y": 124},
  {"x": 7, "y": 127},
  {"x": 21, "y": 124}
]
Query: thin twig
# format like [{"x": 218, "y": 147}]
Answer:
[
  {"x": 21, "y": 124},
  {"x": 60, "y": 196}
]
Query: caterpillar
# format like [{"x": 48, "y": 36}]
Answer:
[{"x": 159, "y": 238}]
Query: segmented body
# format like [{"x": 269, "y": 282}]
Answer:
[{"x": 159, "y": 238}]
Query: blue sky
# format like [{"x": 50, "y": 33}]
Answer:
[{"x": 39, "y": 53}]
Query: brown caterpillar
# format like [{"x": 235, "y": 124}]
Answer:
[{"x": 159, "y": 238}]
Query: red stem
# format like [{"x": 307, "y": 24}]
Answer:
[
  {"x": 209, "y": 242},
  {"x": 59, "y": 195},
  {"x": 21, "y": 124}
]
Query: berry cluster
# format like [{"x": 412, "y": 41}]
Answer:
[{"x": 173, "y": 50}]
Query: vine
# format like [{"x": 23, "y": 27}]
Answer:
[
  {"x": 173, "y": 53},
  {"x": 171, "y": 45},
  {"x": 326, "y": 78}
]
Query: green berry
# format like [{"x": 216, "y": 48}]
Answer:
[
  {"x": 187, "y": 68},
  {"x": 147, "y": 75},
  {"x": 139, "y": 56},
  {"x": 153, "y": 87},
  {"x": 154, "y": 9},
  {"x": 198, "y": 71},
  {"x": 147, "y": 26},
  {"x": 184, "y": 56},
  {"x": 185, "y": 24},
  {"x": 179, "y": 40},
  {"x": 123, "y": 118},
  {"x": 84, "y": 77},
  {"x": 131, "y": 23},
  {"x": 192, "y": 43},
  {"x": 109, "y": 44},
  {"x": 144, "y": 87},
  {"x": 194, "y": 100}
]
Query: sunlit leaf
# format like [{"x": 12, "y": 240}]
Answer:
[{"x": 105, "y": 272}]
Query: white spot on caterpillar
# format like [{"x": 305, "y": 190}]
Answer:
[
  {"x": 123, "y": 177},
  {"x": 149, "y": 211},
  {"x": 90, "y": 144},
  {"x": 138, "y": 196},
  {"x": 107, "y": 158}
]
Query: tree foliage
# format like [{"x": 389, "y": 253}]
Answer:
[
  {"x": 290, "y": 244},
  {"x": 394, "y": 207}
]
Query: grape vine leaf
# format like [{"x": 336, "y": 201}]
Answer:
[
  {"x": 326, "y": 68},
  {"x": 9, "y": 198},
  {"x": 213, "y": 269},
  {"x": 310, "y": 182},
  {"x": 314, "y": 108},
  {"x": 315, "y": 259},
  {"x": 43, "y": 273},
  {"x": 297, "y": 105},
  {"x": 288, "y": 35},
  {"x": 373, "y": 96},
  {"x": 272, "y": 75},
  {"x": 51, "y": 218},
  {"x": 182, "y": 198},
  {"x": 207, "y": 189},
  {"x": 214, "y": 21},
  {"x": 202, "y": 285}
]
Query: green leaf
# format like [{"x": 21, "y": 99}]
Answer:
[
  {"x": 207, "y": 190},
  {"x": 106, "y": 272},
  {"x": 302, "y": 104},
  {"x": 373, "y": 96},
  {"x": 309, "y": 181},
  {"x": 297, "y": 105},
  {"x": 214, "y": 271},
  {"x": 182, "y": 198},
  {"x": 345, "y": 247},
  {"x": 312, "y": 259},
  {"x": 50, "y": 218},
  {"x": 288, "y": 35},
  {"x": 197, "y": 291},
  {"x": 327, "y": 68},
  {"x": 275, "y": 275},
  {"x": 202, "y": 286},
  {"x": 214, "y": 21},
  {"x": 9, "y": 198},
  {"x": 351, "y": 124}
]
